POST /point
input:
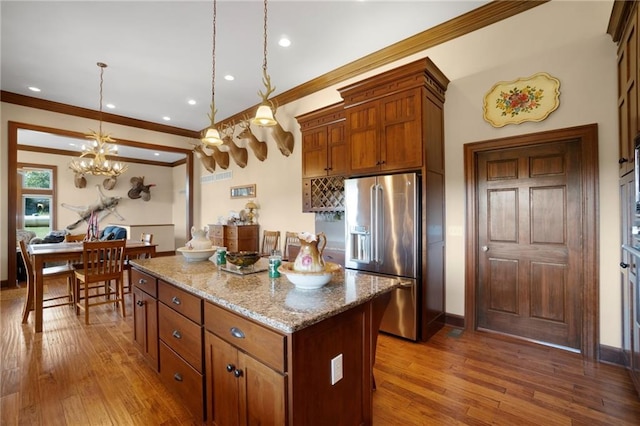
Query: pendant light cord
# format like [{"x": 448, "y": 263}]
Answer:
[
  {"x": 264, "y": 60},
  {"x": 102, "y": 67},
  {"x": 213, "y": 58}
]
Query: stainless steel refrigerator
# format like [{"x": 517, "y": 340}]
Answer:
[{"x": 382, "y": 223}]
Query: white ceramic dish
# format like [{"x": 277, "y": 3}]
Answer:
[
  {"x": 308, "y": 280},
  {"x": 193, "y": 255}
]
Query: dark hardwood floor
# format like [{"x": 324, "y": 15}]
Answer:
[{"x": 72, "y": 374}]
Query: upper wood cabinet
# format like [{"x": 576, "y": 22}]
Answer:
[
  {"x": 324, "y": 147},
  {"x": 388, "y": 119},
  {"x": 624, "y": 26}
]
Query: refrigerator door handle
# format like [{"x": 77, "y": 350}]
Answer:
[
  {"x": 373, "y": 241},
  {"x": 379, "y": 224}
]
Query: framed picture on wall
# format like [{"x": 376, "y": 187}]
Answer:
[{"x": 245, "y": 191}]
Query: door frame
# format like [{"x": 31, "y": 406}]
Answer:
[{"x": 587, "y": 136}]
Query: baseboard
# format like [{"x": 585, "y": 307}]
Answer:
[
  {"x": 4, "y": 284},
  {"x": 454, "y": 320},
  {"x": 611, "y": 355}
]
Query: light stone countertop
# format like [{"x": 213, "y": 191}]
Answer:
[{"x": 274, "y": 302}]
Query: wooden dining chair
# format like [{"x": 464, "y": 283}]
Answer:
[
  {"x": 102, "y": 264},
  {"x": 62, "y": 271},
  {"x": 270, "y": 242},
  {"x": 74, "y": 238},
  {"x": 290, "y": 239}
]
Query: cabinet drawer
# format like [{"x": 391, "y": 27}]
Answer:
[
  {"x": 144, "y": 282},
  {"x": 216, "y": 231},
  {"x": 231, "y": 232},
  {"x": 182, "y": 379},
  {"x": 181, "y": 334},
  {"x": 232, "y": 246},
  {"x": 260, "y": 342},
  {"x": 179, "y": 300}
]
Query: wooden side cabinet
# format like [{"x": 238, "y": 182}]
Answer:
[
  {"x": 324, "y": 145},
  {"x": 145, "y": 316},
  {"x": 235, "y": 237}
]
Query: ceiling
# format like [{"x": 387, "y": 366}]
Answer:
[{"x": 159, "y": 53}]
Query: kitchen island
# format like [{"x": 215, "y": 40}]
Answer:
[{"x": 245, "y": 348}]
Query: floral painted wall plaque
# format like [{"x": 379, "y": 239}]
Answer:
[{"x": 526, "y": 99}]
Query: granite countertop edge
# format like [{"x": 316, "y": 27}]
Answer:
[{"x": 242, "y": 309}]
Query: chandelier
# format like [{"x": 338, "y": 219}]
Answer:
[
  {"x": 212, "y": 136},
  {"x": 94, "y": 158},
  {"x": 264, "y": 114}
]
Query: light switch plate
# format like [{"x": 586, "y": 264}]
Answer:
[{"x": 336, "y": 369}]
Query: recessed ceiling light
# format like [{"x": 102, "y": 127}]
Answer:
[
  {"x": 34, "y": 89},
  {"x": 191, "y": 102},
  {"x": 110, "y": 106},
  {"x": 166, "y": 118},
  {"x": 229, "y": 77},
  {"x": 284, "y": 42},
  {"x": 157, "y": 154}
]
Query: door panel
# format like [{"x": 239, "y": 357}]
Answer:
[{"x": 530, "y": 276}]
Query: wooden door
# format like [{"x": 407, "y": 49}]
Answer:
[{"x": 530, "y": 281}]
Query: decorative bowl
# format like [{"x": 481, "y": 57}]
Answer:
[
  {"x": 193, "y": 255},
  {"x": 242, "y": 259},
  {"x": 309, "y": 280}
]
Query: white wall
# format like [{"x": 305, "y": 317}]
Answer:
[{"x": 565, "y": 39}]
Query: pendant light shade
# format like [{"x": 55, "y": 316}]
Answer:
[
  {"x": 264, "y": 114},
  {"x": 212, "y": 137}
]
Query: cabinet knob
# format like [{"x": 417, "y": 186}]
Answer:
[
  {"x": 230, "y": 368},
  {"x": 142, "y": 281},
  {"x": 176, "y": 334},
  {"x": 624, "y": 265},
  {"x": 485, "y": 248},
  {"x": 623, "y": 160},
  {"x": 175, "y": 300},
  {"x": 140, "y": 303},
  {"x": 237, "y": 373},
  {"x": 177, "y": 377}
]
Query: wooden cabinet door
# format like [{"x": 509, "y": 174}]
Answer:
[
  {"x": 145, "y": 325},
  {"x": 362, "y": 136},
  {"x": 628, "y": 93},
  {"x": 401, "y": 139},
  {"x": 262, "y": 393},
  {"x": 222, "y": 385},
  {"x": 337, "y": 150},
  {"x": 314, "y": 152}
]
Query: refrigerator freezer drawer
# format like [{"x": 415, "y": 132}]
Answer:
[{"x": 400, "y": 317}]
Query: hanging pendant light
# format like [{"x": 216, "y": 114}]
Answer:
[
  {"x": 264, "y": 114},
  {"x": 212, "y": 136},
  {"x": 93, "y": 159}
]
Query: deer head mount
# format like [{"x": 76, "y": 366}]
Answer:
[
  {"x": 239, "y": 155},
  {"x": 283, "y": 138},
  {"x": 259, "y": 148},
  {"x": 208, "y": 162}
]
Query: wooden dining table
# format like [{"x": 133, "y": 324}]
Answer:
[{"x": 66, "y": 252}]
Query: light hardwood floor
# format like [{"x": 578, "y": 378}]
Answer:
[{"x": 72, "y": 374}]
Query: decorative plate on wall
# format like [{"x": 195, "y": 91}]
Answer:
[{"x": 525, "y": 99}]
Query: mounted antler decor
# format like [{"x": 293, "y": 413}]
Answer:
[
  {"x": 209, "y": 161},
  {"x": 239, "y": 155},
  {"x": 284, "y": 139},
  {"x": 139, "y": 189},
  {"x": 259, "y": 148}
]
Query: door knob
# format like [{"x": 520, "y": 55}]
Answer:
[{"x": 485, "y": 248}]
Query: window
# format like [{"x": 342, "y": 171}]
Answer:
[{"x": 36, "y": 193}]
